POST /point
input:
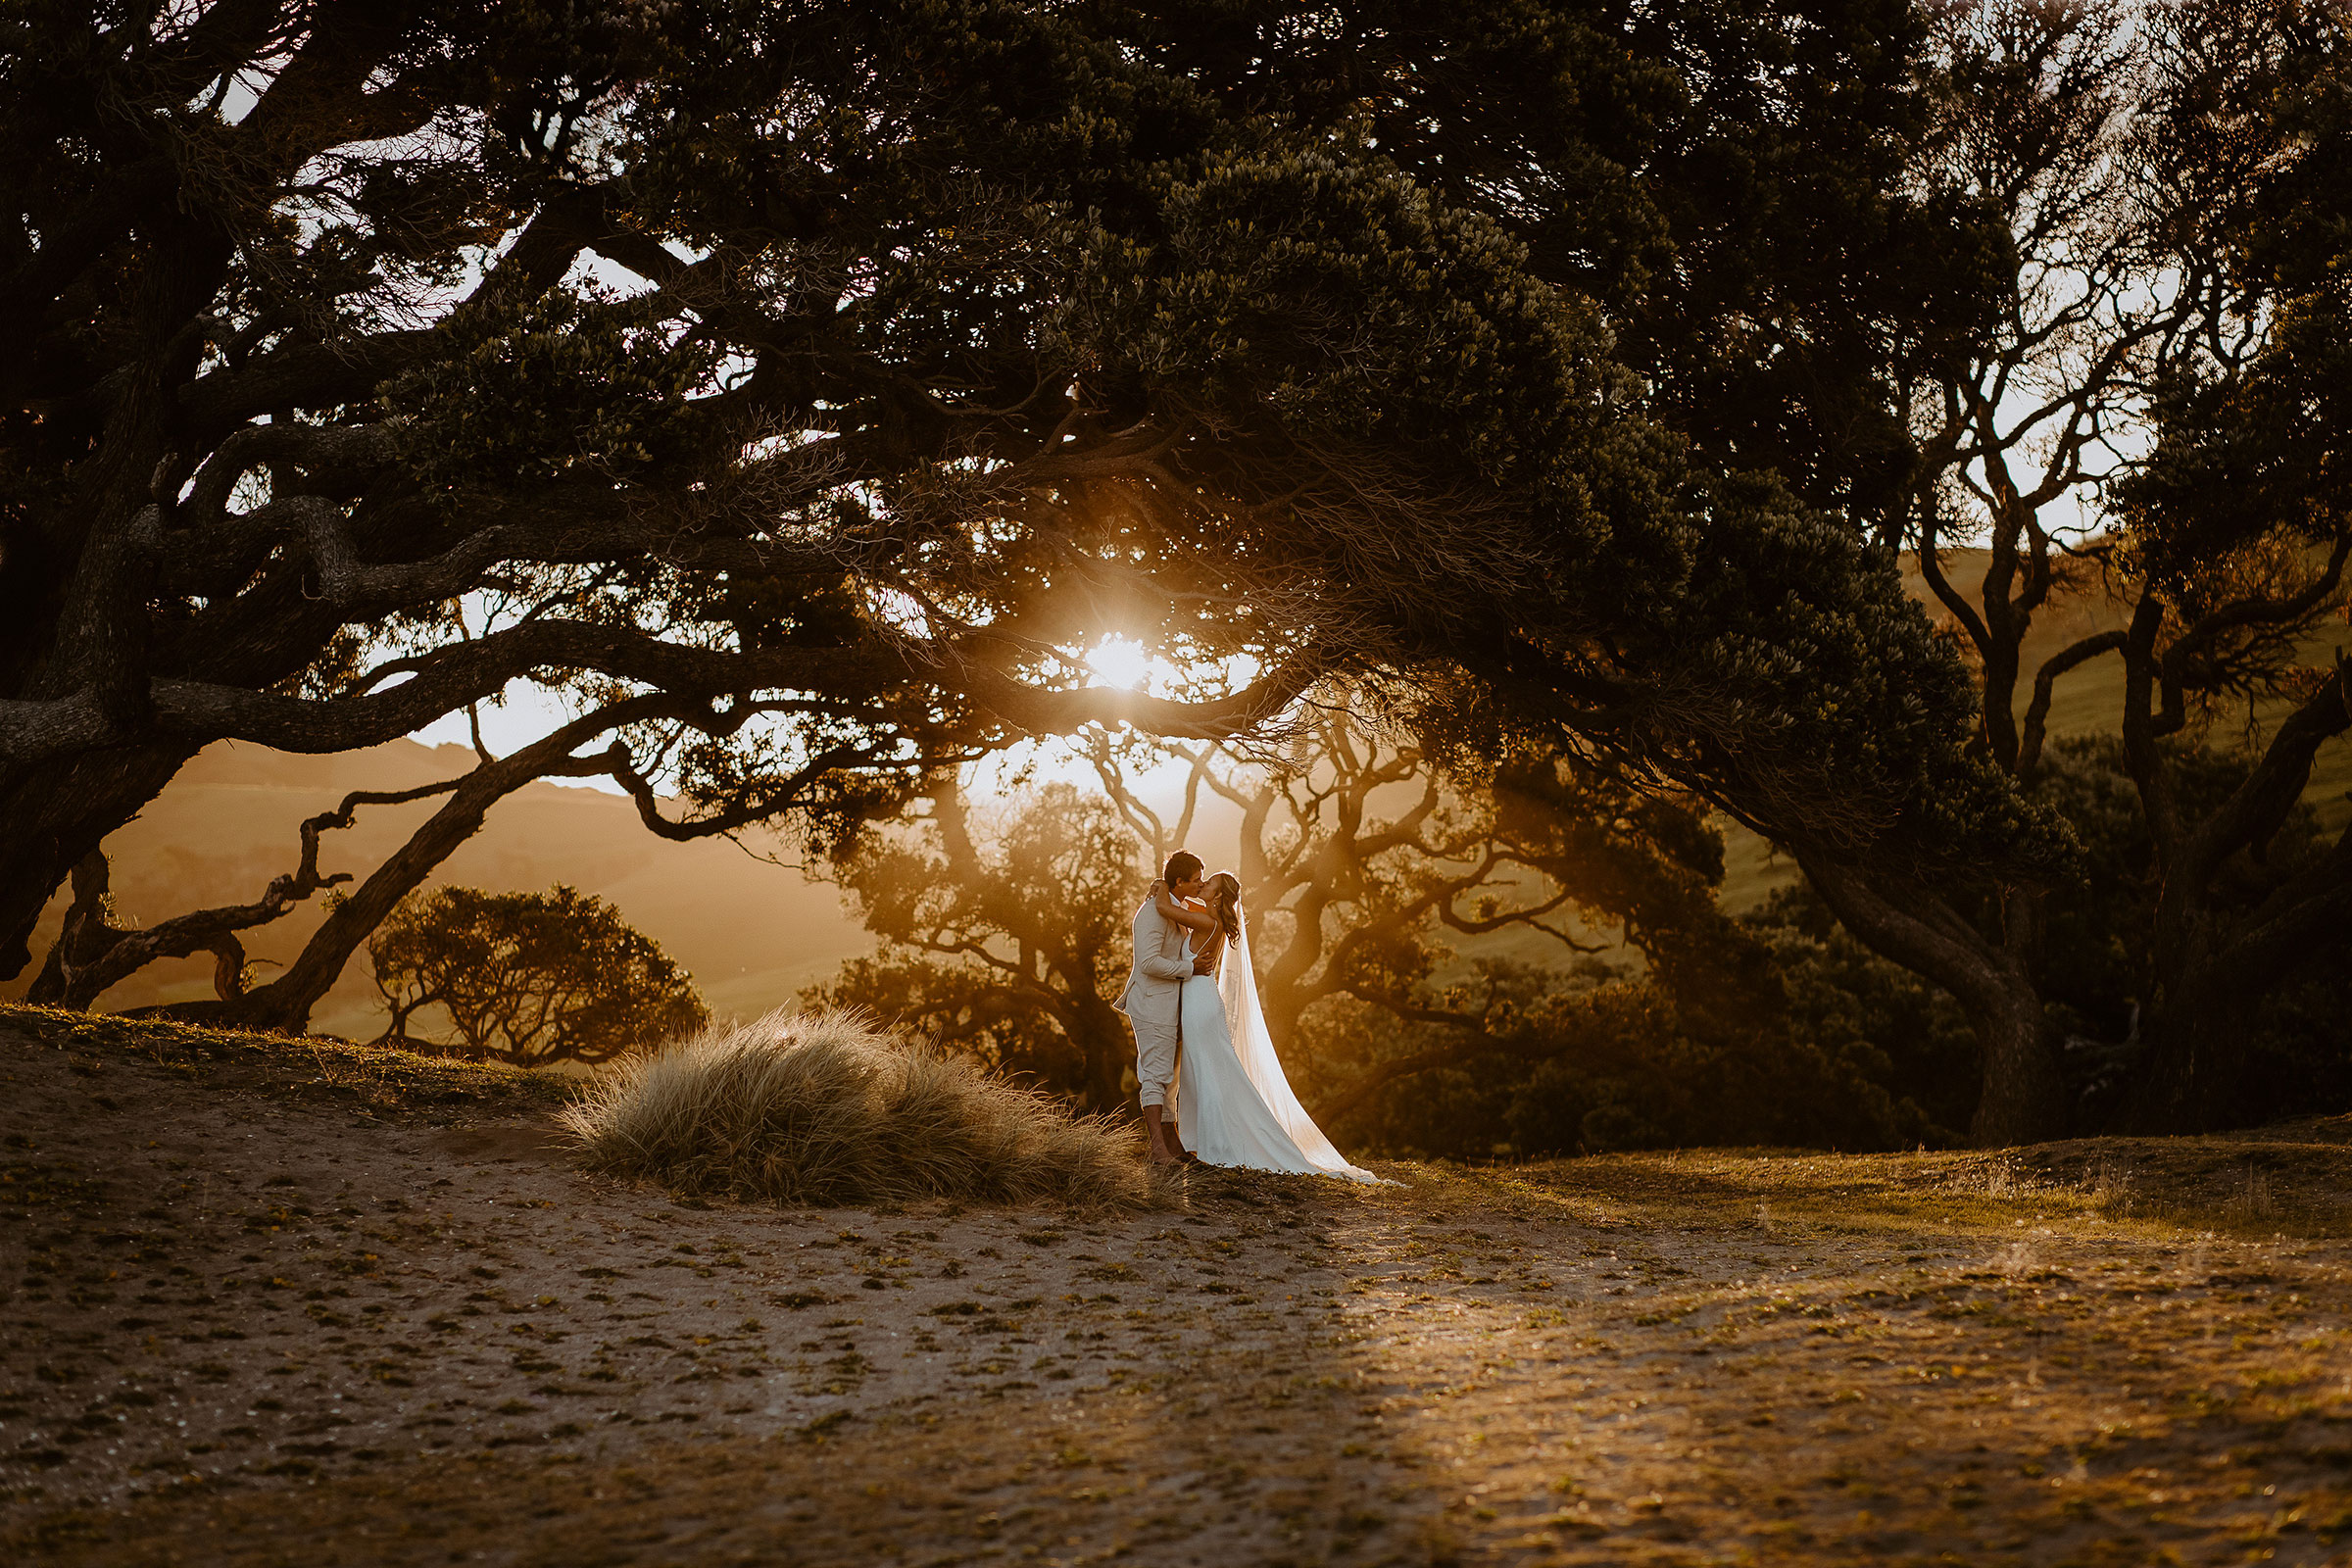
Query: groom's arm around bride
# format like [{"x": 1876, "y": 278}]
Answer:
[{"x": 1151, "y": 1002}]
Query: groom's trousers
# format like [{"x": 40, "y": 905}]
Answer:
[{"x": 1155, "y": 1059}]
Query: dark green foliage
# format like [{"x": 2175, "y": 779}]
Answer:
[
  {"x": 572, "y": 384},
  {"x": 958, "y": 332},
  {"x": 529, "y": 978},
  {"x": 2249, "y": 442},
  {"x": 2102, "y": 975},
  {"x": 1729, "y": 184},
  {"x": 1897, "y": 1058},
  {"x": 1619, "y": 1062},
  {"x": 2248, "y": 466}
]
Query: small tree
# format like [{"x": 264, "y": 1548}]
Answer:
[
  {"x": 529, "y": 978},
  {"x": 1006, "y": 944}
]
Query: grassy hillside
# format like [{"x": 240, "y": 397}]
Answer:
[{"x": 752, "y": 932}]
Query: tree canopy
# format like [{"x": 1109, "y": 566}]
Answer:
[
  {"x": 1733, "y": 186},
  {"x": 803, "y": 388}
]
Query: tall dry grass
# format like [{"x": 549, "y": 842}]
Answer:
[{"x": 824, "y": 1108}]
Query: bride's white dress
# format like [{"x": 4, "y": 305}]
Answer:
[{"x": 1236, "y": 1105}]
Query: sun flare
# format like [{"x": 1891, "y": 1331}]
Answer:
[{"x": 1120, "y": 662}]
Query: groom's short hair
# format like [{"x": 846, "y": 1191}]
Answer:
[{"x": 1182, "y": 867}]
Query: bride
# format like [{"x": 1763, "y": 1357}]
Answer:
[{"x": 1238, "y": 1105}]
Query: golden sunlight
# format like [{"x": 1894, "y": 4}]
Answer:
[{"x": 1120, "y": 662}]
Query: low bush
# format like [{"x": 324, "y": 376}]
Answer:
[
  {"x": 528, "y": 978},
  {"x": 824, "y": 1108}
]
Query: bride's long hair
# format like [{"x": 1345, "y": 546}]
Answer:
[{"x": 1225, "y": 903}]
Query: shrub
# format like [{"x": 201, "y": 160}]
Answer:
[
  {"x": 528, "y": 978},
  {"x": 1623, "y": 1065},
  {"x": 824, "y": 1108}
]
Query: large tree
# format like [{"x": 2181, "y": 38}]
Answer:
[
  {"x": 802, "y": 387},
  {"x": 2158, "y": 416}
]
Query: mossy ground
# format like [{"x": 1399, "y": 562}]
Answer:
[{"x": 274, "y": 1302}]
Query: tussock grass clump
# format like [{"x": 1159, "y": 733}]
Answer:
[{"x": 825, "y": 1109}]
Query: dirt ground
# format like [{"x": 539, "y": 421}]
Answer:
[{"x": 280, "y": 1302}]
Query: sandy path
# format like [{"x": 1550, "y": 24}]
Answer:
[{"x": 259, "y": 1323}]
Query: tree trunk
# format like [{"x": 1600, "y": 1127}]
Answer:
[
  {"x": 2024, "y": 1100},
  {"x": 57, "y": 817},
  {"x": 2193, "y": 1077},
  {"x": 2175, "y": 1091},
  {"x": 284, "y": 1006}
]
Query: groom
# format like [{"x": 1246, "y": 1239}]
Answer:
[{"x": 1152, "y": 999}]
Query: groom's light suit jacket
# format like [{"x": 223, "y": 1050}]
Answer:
[
  {"x": 1154, "y": 996},
  {"x": 1163, "y": 965}
]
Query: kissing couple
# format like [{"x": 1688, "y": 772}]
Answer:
[{"x": 1192, "y": 1000}]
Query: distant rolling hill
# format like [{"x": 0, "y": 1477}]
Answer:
[{"x": 752, "y": 932}]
